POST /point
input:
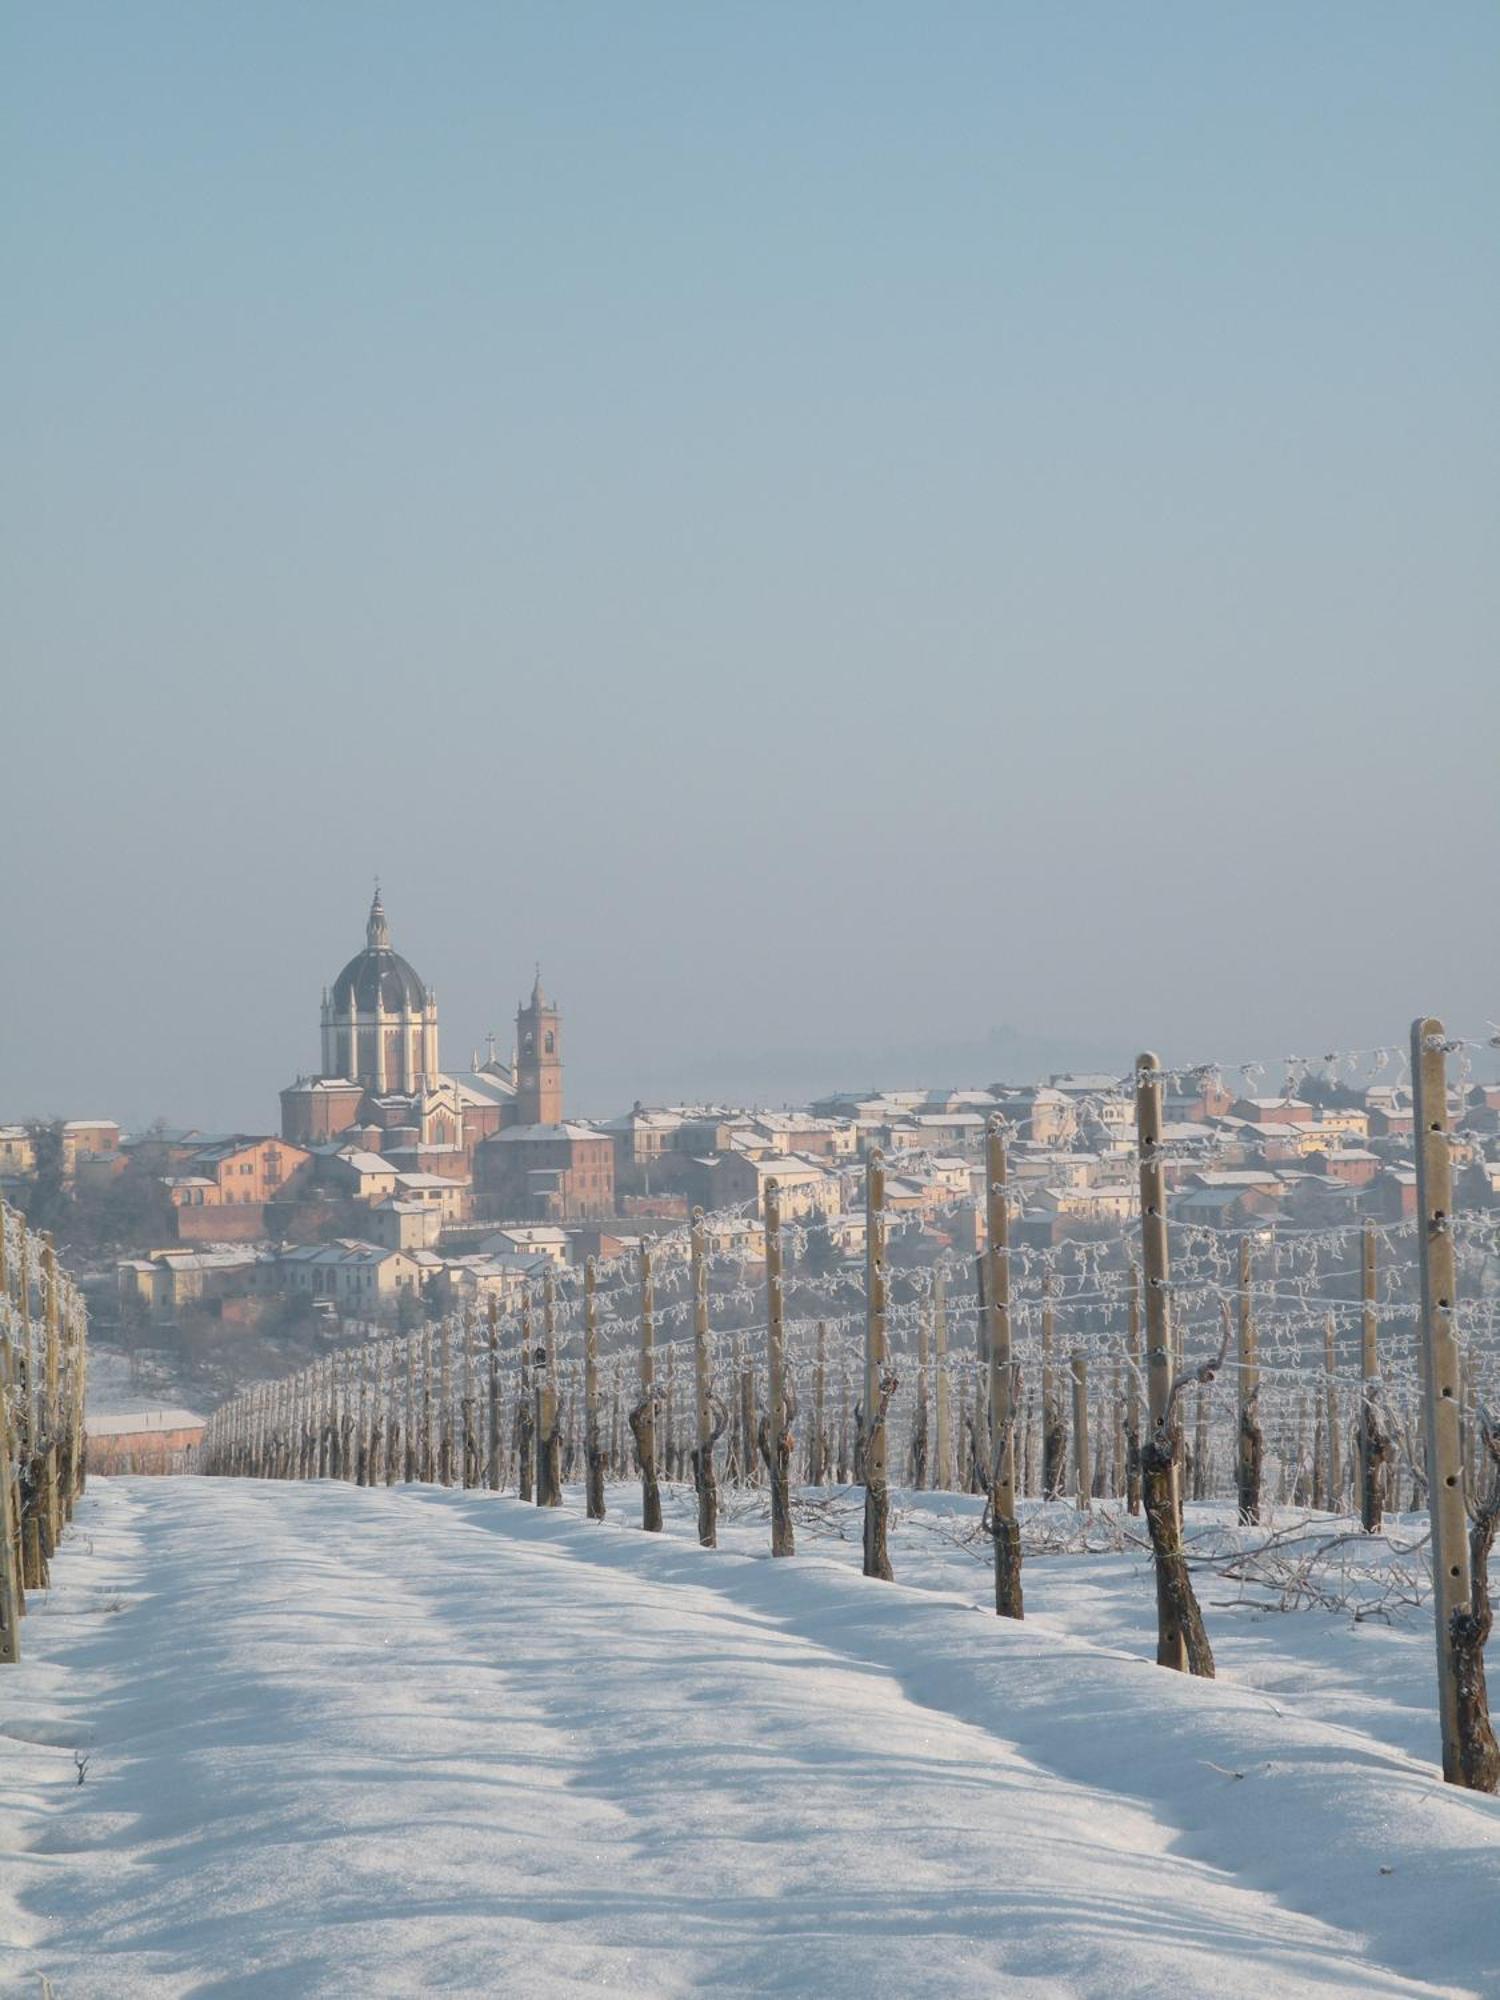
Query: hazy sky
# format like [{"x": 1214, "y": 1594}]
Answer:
[{"x": 836, "y": 527}]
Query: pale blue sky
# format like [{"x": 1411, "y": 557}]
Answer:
[{"x": 835, "y": 526}]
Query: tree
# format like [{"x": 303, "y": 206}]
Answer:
[{"x": 46, "y": 1200}]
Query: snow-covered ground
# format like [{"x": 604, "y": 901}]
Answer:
[{"x": 414, "y": 1742}]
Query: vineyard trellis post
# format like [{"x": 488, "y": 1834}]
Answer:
[
  {"x": 942, "y": 1398},
  {"x": 880, "y": 1384},
  {"x": 776, "y": 1425},
  {"x": 1182, "y": 1642},
  {"x": 1470, "y": 1754},
  {"x": 1374, "y": 1439},
  {"x": 492, "y": 1404},
  {"x": 593, "y": 1443},
  {"x": 705, "y": 1434},
  {"x": 1250, "y": 1438},
  {"x": 548, "y": 1406},
  {"x": 1081, "y": 1459},
  {"x": 1134, "y": 1374},
  {"x": 643, "y": 1415},
  {"x": 1002, "y": 1385},
  {"x": 1331, "y": 1412}
]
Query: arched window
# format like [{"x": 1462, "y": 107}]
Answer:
[{"x": 551, "y": 1042}]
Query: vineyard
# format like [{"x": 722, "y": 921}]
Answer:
[{"x": 629, "y": 1638}]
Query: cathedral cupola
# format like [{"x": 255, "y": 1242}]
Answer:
[{"x": 380, "y": 1022}]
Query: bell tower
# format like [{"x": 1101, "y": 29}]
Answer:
[{"x": 539, "y": 1091}]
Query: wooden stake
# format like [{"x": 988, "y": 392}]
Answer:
[
  {"x": 1182, "y": 1642},
  {"x": 1470, "y": 1755},
  {"x": 593, "y": 1443},
  {"x": 643, "y": 1416},
  {"x": 943, "y": 1440},
  {"x": 880, "y": 1383},
  {"x": 1081, "y": 1460},
  {"x": 776, "y": 1425},
  {"x": 706, "y": 1433},
  {"x": 1374, "y": 1437},
  {"x": 1002, "y": 1468},
  {"x": 1250, "y": 1449}
]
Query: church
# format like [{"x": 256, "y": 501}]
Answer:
[{"x": 381, "y": 1089}]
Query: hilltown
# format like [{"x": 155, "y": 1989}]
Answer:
[{"x": 394, "y": 1186}]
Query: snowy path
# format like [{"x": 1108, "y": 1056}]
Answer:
[{"x": 416, "y": 1742}]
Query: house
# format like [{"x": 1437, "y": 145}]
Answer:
[
  {"x": 1355, "y": 1166},
  {"x": 17, "y": 1153},
  {"x": 530, "y": 1240},
  {"x": 150, "y": 1441},
  {"x": 405, "y": 1225},
  {"x": 358, "y": 1277},
  {"x": 1272, "y": 1111},
  {"x": 450, "y": 1195},
  {"x": 736, "y": 1180},
  {"x": 166, "y": 1280},
  {"x": 545, "y": 1173},
  {"x": 355, "y": 1173},
  {"x": 243, "y": 1171}
]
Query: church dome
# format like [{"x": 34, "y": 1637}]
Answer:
[{"x": 378, "y": 976}]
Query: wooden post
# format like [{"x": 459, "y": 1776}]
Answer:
[
  {"x": 1135, "y": 1375},
  {"x": 943, "y": 1439},
  {"x": 593, "y": 1442},
  {"x": 1470, "y": 1755},
  {"x": 776, "y": 1425},
  {"x": 842, "y": 1467},
  {"x": 548, "y": 1426},
  {"x": 1182, "y": 1642},
  {"x": 1054, "y": 1427},
  {"x": 919, "y": 1429},
  {"x": 492, "y": 1401},
  {"x": 880, "y": 1383},
  {"x": 1080, "y": 1373},
  {"x": 1374, "y": 1439},
  {"x": 525, "y": 1413},
  {"x": 1250, "y": 1449},
  {"x": 52, "y": 1356},
  {"x": 643, "y": 1416},
  {"x": 10, "y": 1545},
  {"x": 411, "y": 1463},
  {"x": 1331, "y": 1415},
  {"x": 817, "y": 1454},
  {"x": 1002, "y": 1388},
  {"x": 445, "y": 1396},
  {"x": 705, "y": 1433},
  {"x": 747, "y": 1416}
]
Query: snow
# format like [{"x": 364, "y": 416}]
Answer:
[
  {"x": 129, "y": 1423},
  {"x": 410, "y": 1741}
]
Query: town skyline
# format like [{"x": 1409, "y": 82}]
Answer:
[{"x": 768, "y": 1078}]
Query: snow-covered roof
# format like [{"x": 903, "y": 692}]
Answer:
[
  {"x": 134, "y": 1423},
  {"x": 523, "y": 1135}
]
